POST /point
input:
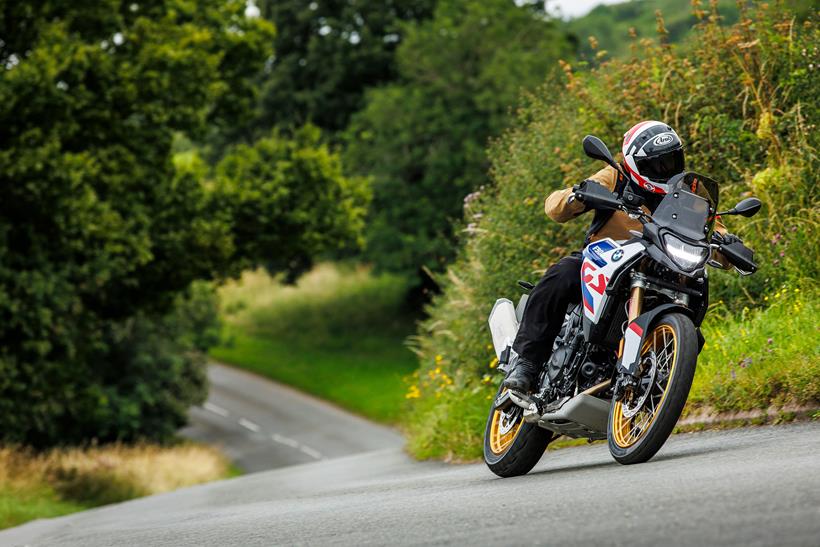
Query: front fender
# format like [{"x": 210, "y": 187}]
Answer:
[{"x": 637, "y": 331}]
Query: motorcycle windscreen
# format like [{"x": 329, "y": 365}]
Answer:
[{"x": 687, "y": 213}]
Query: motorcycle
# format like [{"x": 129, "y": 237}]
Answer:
[{"x": 622, "y": 365}]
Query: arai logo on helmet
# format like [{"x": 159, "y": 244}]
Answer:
[{"x": 663, "y": 139}]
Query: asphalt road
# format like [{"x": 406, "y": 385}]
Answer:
[
  {"x": 263, "y": 425},
  {"x": 756, "y": 486}
]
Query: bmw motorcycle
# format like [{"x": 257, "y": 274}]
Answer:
[{"x": 622, "y": 365}]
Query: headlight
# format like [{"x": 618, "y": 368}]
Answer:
[{"x": 688, "y": 257}]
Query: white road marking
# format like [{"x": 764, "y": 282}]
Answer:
[
  {"x": 310, "y": 452},
  {"x": 287, "y": 441},
  {"x": 215, "y": 409},
  {"x": 251, "y": 426},
  {"x": 247, "y": 424}
]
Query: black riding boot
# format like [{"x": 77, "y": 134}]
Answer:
[{"x": 523, "y": 375}]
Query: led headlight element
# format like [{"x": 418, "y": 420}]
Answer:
[{"x": 688, "y": 257}]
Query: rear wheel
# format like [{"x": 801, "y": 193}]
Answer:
[
  {"x": 641, "y": 422},
  {"x": 512, "y": 447}
]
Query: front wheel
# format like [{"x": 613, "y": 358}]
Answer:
[
  {"x": 641, "y": 422},
  {"x": 511, "y": 446}
]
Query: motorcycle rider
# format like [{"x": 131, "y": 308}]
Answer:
[{"x": 652, "y": 154}]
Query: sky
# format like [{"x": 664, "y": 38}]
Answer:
[{"x": 576, "y": 8}]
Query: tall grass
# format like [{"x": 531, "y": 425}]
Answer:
[
  {"x": 327, "y": 302},
  {"x": 37, "y": 485},
  {"x": 756, "y": 358}
]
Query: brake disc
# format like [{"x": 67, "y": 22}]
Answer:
[{"x": 508, "y": 420}]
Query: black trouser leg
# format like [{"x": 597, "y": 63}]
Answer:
[{"x": 546, "y": 308}]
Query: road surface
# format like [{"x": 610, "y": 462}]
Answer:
[
  {"x": 757, "y": 486},
  {"x": 263, "y": 425}
]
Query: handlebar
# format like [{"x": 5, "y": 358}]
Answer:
[{"x": 596, "y": 196}]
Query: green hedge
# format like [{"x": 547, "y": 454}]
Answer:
[{"x": 745, "y": 101}]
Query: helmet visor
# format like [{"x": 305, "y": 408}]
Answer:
[{"x": 663, "y": 167}]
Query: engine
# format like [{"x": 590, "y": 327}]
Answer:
[{"x": 572, "y": 365}]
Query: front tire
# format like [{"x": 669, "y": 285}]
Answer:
[
  {"x": 512, "y": 447},
  {"x": 639, "y": 425}
]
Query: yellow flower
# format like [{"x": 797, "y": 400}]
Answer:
[
  {"x": 413, "y": 392},
  {"x": 439, "y": 358},
  {"x": 494, "y": 362}
]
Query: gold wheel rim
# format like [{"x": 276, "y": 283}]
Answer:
[
  {"x": 500, "y": 442},
  {"x": 627, "y": 431}
]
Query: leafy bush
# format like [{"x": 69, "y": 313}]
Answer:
[{"x": 745, "y": 101}]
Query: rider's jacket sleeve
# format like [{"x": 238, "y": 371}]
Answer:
[{"x": 559, "y": 209}]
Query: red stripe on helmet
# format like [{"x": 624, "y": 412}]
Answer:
[
  {"x": 643, "y": 182},
  {"x": 633, "y": 130}
]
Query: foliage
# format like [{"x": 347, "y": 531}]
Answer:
[
  {"x": 102, "y": 233},
  {"x": 327, "y": 53},
  {"x": 337, "y": 334},
  {"x": 422, "y": 138},
  {"x": 758, "y": 358},
  {"x": 746, "y": 105},
  {"x": 614, "y": 26},
  {"x": 289, "y": 200},
  {"x": 63, "y": 481}
]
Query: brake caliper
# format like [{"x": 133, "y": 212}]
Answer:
[{"x": 625, "y": 385}]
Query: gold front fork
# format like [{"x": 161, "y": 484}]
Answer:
[{"x": 635, "y": 302}]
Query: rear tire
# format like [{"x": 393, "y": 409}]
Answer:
[
  {"x": 516, "y": 452},
  {"x": 637, "y": 438}
]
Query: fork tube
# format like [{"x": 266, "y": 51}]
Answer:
[{"x": 636, "y": 297}]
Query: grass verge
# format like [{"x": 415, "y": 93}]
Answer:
[
  {"x": 41, "y": 485},
  {"x": 338, "y": 334},
  {"x": 756, "y": 359}
]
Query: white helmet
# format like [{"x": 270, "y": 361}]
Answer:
[{"x": 653, "y": 153}]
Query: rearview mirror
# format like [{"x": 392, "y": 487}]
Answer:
[
  {"x": 596, "y": 149},
  {"x": 747, "y": 207}
]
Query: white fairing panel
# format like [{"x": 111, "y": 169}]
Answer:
[
  {"x": 602, "y": 259},
  {"x": 503, "y": 325}
]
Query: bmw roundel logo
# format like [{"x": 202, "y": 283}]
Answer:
[{"x": 617, "y": 255}]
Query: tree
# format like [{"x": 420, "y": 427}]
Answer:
[
  {"x": 327, "y": 53},
  {"x": 423, "y": 137},
  {"x": 102, "y": 232},
  {"x": 290, "y": 201}
]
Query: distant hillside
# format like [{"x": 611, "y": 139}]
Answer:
[{"x": 610, "y": 24}]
